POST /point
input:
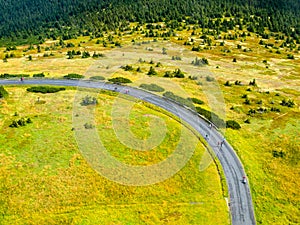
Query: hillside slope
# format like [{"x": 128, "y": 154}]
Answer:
[{"x": 50, "y": 19}]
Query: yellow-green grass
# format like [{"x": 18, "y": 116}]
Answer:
[
  {"x": 45, "y": 180},
  {"x": 282, "y": 76},
  {"x": 274, "y": 180}
]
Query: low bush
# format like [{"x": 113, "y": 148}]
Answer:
[
  {"x": 89, "y": 126},
  {"x": 39, "y": 75},
  {"x": 3, "y": 92},
  {"x": 248, "y": 121},
  {"x": 196, "y": 101},
  {"x": 120, "y": 80},
  {"x": 45, "y": 89},
  {"x": 97, "y": 78},
  {"x": 178, "y": 74},
  {"x": 88, "y": 100},
  {"x": 152, "y": 87},
  {"x": 289, "y": 103},
  {"x": 127, "y": 68},
  {"x": 73, "y": 76},
  {"x": 227, "y": 84},
  {"x": 211, "y": 117},
  {"x": 6, "y": 75},
  {"x": 178, "y": 99},
  {"x": 210, "y": 79},
  {"x": 233, "y": 125},
  {"x": 278, "y": 154},
  {"x": 20, "y": 122},
  {"x": 152, "y": 71}
]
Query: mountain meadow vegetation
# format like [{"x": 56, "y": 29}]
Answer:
[{"x": 175, "y": 49}]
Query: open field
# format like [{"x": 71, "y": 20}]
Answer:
[
  {"x": 45, "y": 179},
  {"x": 274, "y": 178}
]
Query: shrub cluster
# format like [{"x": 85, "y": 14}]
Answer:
[
  {"x": 200, "y": 62},
  {"x": 127, "y": 68},
  {"x": 73, "y": 76},
  {"x": 211, "y": 117},
  {"x": 177, "y": 73},
  {"x": 39, "y": 75},
  {"x": 178, "y": 99},
  {"x": 178, "y": 58},
  {"x": 45, "y": 89},
  {"x": 196, "y": 101},
  {"x": 152, "y": 87},
  {"x": 97, "y": 78},
  {"x": 88, "y": 100},
  {"x": 89, "y": 126},
  {"x": 20, "y": 123},
  {"x": 278, "y": 154},
  {"x": 6, "y": 75},
  {"x": 289, "y": 103},
  {"x": 97, "y": 55},
  {"x": 120, "y": 80}
]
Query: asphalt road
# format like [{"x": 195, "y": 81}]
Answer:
[{"x": 240, "y": 203}]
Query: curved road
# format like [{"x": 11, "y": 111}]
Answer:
[{"x": 241, "y": 206}]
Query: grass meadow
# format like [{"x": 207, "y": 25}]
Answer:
[
  {"x": 44, "y": 179},
  {"x": 268, "y": 144}
]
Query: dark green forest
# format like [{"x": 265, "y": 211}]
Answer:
[{"x": 33, "y": 21}]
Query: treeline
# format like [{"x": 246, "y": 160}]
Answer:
[{"x": 37, "y": 20}]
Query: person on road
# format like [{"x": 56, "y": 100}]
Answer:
[{"x": 223, "y": 142}]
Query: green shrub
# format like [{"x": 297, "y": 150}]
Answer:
[
  {"x": 200, "y": 62},
  {"x": 97, "y": 78},
  {"x": 247, "y": 121},
  {"x": 247, "y": 101},
  {"x": 251, "y": 112},
  {"x": 85, "y": 55},
  {"x": 39, "y": 75},
  {"x": 210, "y": 79},
  {"x": 45, "y": 89},
  {"x": 6, "y": 75},
  {"x": 152, "y": 71},
  {"x": 120, "y": 80},
  {"x": 211, "y": 117},
  {"x": 238, "y": 82},
  {"x": 178, "y": 74},
  {"x": 289, "y": 103},
  {"x": 89, "y": 126},
  {"x": 73, "y": 76},
  {"x": 152, "y": 87},
  {"x": 233, "y": 125},
  {"x": 3, "y": 92},
  {"x": 20, "y": 122},
  {"x": 278, "y": 154},
  {"x": 127, "y": 68},
  {"x": 227, "y": 84},
  {"x": 196, "y": 101},
  {"x": 168, "y": 74},
  {"x": 252, "y": 83},
  {"x": 88, "y": 100},
  {"x": 178, "y": 99}
]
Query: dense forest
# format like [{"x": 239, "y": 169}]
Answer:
[{"x": 24, "y": 21}]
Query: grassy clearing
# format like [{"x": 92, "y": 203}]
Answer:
[{"x": 45, "y": 180}]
